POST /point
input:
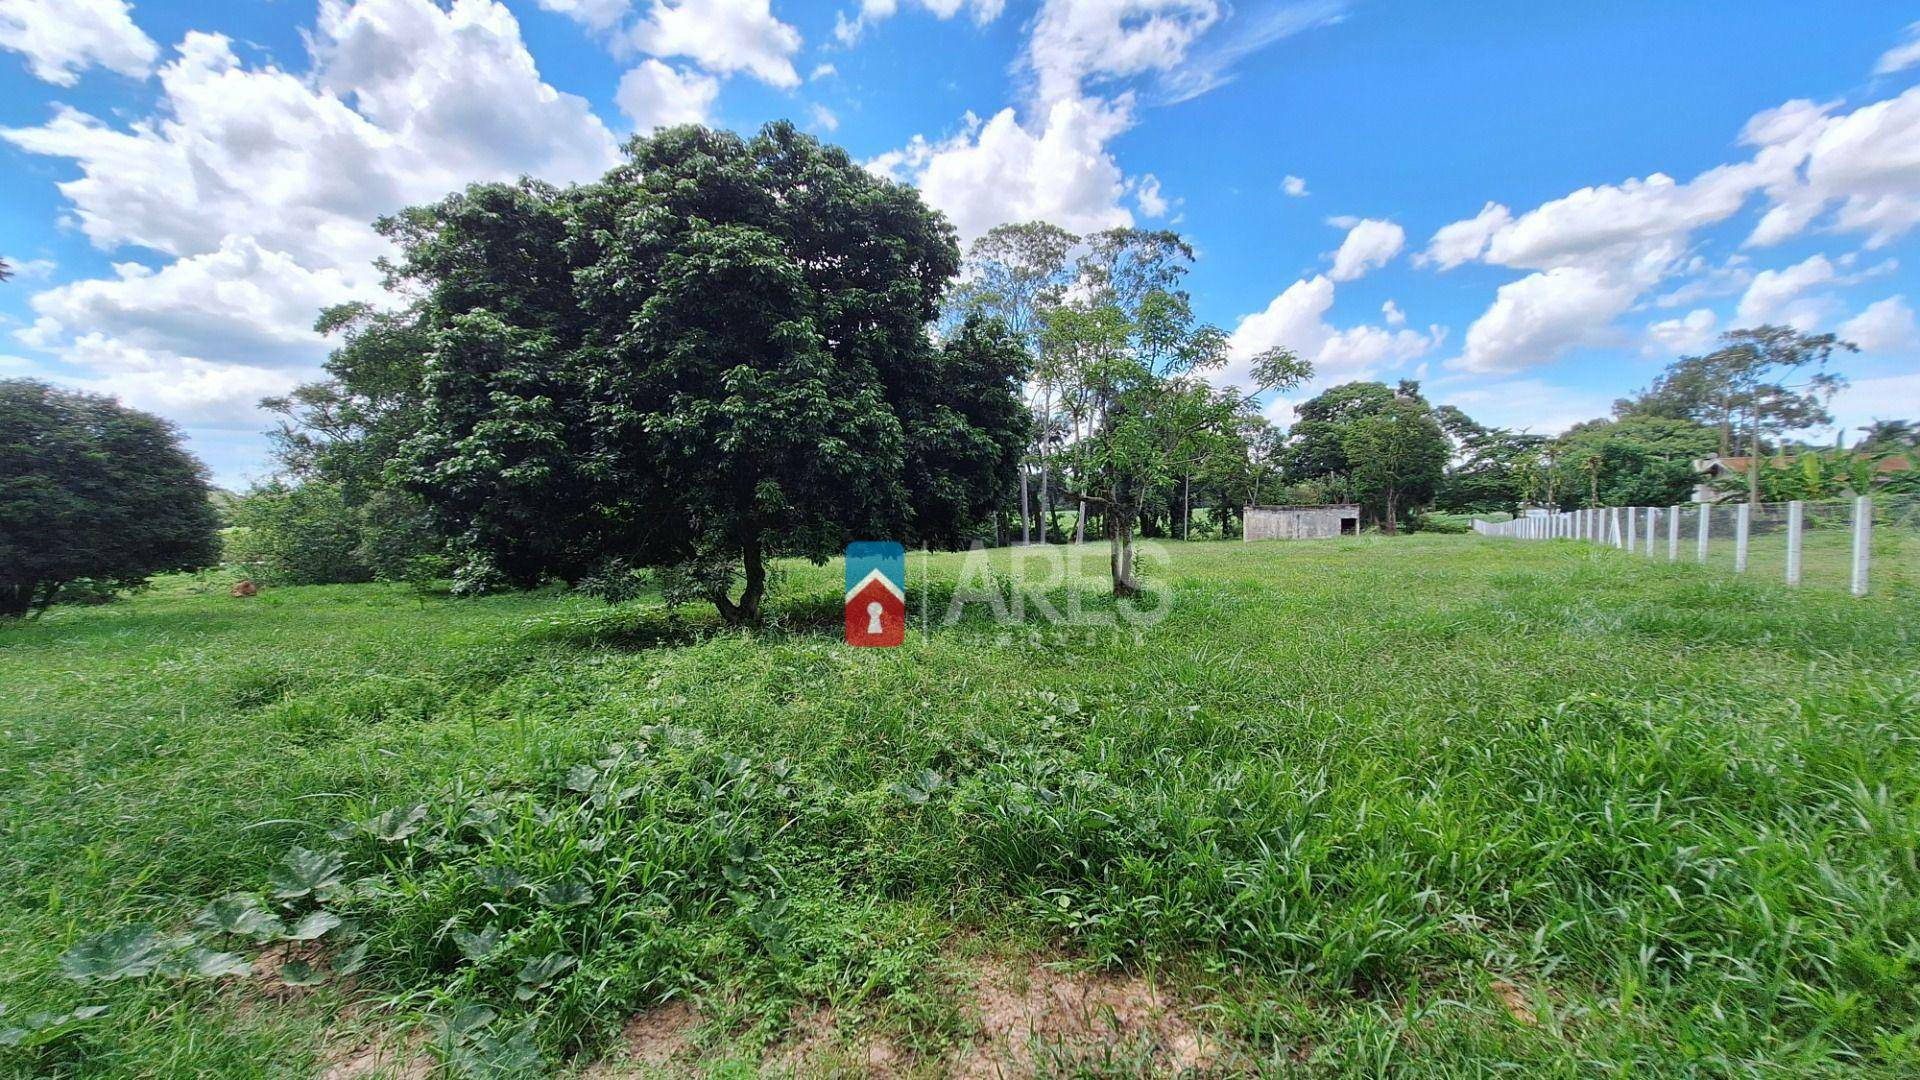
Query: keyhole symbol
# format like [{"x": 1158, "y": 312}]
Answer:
[{"x": 873, "y": 617}]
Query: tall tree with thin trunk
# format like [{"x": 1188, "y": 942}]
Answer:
[
  {"x": 1138, "y": 360},
  {"x": 1019, "y": 273}
]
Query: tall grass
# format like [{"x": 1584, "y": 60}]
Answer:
[{"x": 1343, "y": 788}]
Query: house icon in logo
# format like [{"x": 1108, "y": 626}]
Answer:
[{"x": 876, "y": 593}]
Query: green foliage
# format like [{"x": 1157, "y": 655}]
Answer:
[
  {"x": 1130, "y": 358},
  {"x": 93, "y": 496},
  {"x": 1397, "y": 457},
  {"x": 718, "y": 352},
  {"x": 297, "y": 535},
  {"x": 1634, "y": 460},
  {"x": 1365, "y": 441},
  {"x": 1759, "y": 384},
  {"x": 35, "y": 1030}
]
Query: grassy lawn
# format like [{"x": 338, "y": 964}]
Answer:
[{"x": 1421, "y": 806}]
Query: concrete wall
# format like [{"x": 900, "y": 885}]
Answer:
[{"x": 1297, "y": 523}]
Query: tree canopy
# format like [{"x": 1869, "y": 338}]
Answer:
[
  {"x": 717, "y": 353},
  {"x": 92, "y": 491}
]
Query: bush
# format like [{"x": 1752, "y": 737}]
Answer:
[
  {"x": 311, "y": 534},
  {"x": 304, "y": 535}
]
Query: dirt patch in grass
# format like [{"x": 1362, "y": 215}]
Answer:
[
  {"x": 1040, "y": 1018},
  {"x": 378, "y": 1057},
  {"x": 819, "y": 1047},
  {"x": 654, "y": 1043},
  {"x": 1515, "y": 1000}
]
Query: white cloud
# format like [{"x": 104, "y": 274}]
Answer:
[
  {"x": 1369, "y": 244},
  {"x": 1464, "y": 241},
  {"x": 62, "y": 38},
  {"x": 439, "y": 99},
  {"x": 1293, "y": 187},
  {"x": 823, "y": 117},
  {"x": 1779, "y": 296},
  {"x": 1885, "y": 326},
  {"x": 1638, "y": 227},
  {"x": 723, "y": 36},
  {"x": 261, "y": 186},
  {"x": 1147, "y": 194},
  {"x": 1282, "y": 413},
  {"x": 1391, "y": 312},
  {"x": 239, "y": 304},
  {"x": 1686, "y": 335},
  {"x": 1211, "y": 63},
  {"x": 848, "y": 30},
  {"x": 1296, "y": 319},
  {"x": 1078, "y": 42},
  {"x": 1864, "y": 166},
  {"x": 1538, "y": 318},
  {"x": 28, "y": 269},
  {"x": 1901, "y": 56},
  {"x": 655, "y": 95},
  {"x": 594, "y": 14},
  {"x": 182, "y": 388},
  {"x": 1002, "y": 171},
  {"x": 1706, "y": 281},
  {"x": 822, "y": 71}
]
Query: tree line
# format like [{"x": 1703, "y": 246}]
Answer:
[{"x": 731, "y": 349}]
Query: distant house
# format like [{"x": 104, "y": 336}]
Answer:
[
  {"x": 1300, "y": 522},
  {"x": 1714, "y": 468}
]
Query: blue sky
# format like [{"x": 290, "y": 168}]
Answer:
[{"x": 1532, "y": 208}]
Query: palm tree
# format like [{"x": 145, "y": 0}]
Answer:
[{"x": 5, "y": 270}]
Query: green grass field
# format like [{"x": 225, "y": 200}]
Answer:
[{"x": 1426, "y": 806}]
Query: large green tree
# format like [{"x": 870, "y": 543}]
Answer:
[
  {"x": 1760, "y": 384},
  {"x": 1397, "y": 455},
  {"x": 1637, "y": 459},
  {"x": 716, "y": 354},
  {"x": 93, "y": 491}
]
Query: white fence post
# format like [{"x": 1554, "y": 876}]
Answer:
[
  {"x": 1629, "y": 545},
  {"x": 1862, "y": 542},
  {"x": 1673, "y": 534},
  {"x": 1705, "y": 517},
  {"x": 1796, "y": 524},
  {"x": 1653, "y": 518},
  {"x": 1742, "y": 525}
]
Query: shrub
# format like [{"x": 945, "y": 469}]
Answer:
[{"x": 298, "y": 535}]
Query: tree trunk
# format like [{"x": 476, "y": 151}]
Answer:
[
  {"x": 1026, "y": 536},
  {"x": 746, "y": 611},
  {"x": 1120, "y": 552},
  {"x": 1753, "y": 467},
  {"x": 1048, "y": 525},
  {"x": 1080, "y": 524},
  {"x": 1391, "y": 524},
  {"x": 1186, "y": 507}
]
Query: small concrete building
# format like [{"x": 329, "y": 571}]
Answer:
[{"x": 1300, "y": 522}]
